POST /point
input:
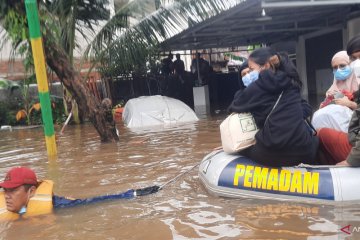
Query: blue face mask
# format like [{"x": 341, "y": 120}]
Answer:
[
  {"x": 250, "y": 78},
  {"x": 342, "y": 74}
]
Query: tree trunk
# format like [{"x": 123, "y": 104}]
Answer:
[{"x": 72, "y": 80}]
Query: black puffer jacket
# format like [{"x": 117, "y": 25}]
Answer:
[{"x": 285, "y": 128}]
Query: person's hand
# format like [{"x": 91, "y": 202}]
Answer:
[
  {"x": 343, "y": 163},
  {"x": 147, "y": 190},
  {"x": 344, "y": 101},
  {"x": 331, "y": 92}
]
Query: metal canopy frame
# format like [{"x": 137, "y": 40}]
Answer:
[
  {"x": 265, "y": 21},
  {"x": 304, "y": 3}
]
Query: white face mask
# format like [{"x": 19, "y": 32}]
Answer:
[
  {"x": 24, "y": 208},
  {"x": 355, "y": 65}
]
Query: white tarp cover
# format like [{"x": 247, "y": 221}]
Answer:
[{"x": 156, "y": 110}]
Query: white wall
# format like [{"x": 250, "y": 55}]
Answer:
[{"x": 6, "y": 49}]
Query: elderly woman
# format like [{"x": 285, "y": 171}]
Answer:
[
  {"x": 345, "y": 80},
  {"x": 339, "y": 147},
  {"x": 336, "y": 110}
]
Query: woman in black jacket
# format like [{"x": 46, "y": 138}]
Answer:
[{"x": 283, "y": 138}]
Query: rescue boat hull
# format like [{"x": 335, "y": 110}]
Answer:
[{"x": 237, "y": 176}]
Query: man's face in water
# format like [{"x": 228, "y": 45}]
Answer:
[{"x": 18, "y": 197}]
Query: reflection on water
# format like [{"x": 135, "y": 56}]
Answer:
[{"x": 182, "y": 210}]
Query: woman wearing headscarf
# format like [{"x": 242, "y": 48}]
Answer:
[
  {"x": 339, "y": 147},
  {"x": 283, "y": 138},
  {"x": 336, "y": 110},
  {"x": 345, "y": 80}
]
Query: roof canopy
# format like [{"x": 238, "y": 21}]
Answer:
[{"x": 267, "y": 21}]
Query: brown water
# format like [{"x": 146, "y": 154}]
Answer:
[{"x": 182, "y": 210}]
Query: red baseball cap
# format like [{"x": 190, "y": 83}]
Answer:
[{"x": 18, "y": 176}]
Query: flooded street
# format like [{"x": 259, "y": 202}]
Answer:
[{"x": 182, "y": 210}]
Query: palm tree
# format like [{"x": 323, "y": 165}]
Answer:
[
  {"x": 76, "y": 18},
  {"x": 122, "y": 50},
  {"x": 116, "y": 41},
  {"x": 13, "y": 20}
]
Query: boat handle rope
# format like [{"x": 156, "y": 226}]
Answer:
[
  {"x": 190, "y": 169},
  {"x": 187, "y": 171},
  {"x": 156, "y": 188},
  {"x": 303, "y": 165},
  {"x": 178, "y": 176}
]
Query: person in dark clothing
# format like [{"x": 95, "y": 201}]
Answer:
[
  {"x": 283, "y": 138},
  {"x": 167, "y": 67},
  {"x": 201, "y": 70},
  {"x": 179, "y": 71},
  {"x": 179, "y": 66}
]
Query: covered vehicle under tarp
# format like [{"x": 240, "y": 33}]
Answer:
[{"x": 156, "y": 110}]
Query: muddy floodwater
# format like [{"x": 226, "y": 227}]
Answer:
[{"x": 182, "y": 210}]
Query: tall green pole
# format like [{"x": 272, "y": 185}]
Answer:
[{"x": 41, "y": 77}]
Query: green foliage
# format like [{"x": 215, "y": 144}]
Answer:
[
  {"x": 5, "y": 118},
  {"x": 75, "y": 17},
  {"x": 32, "y": 114},
  {"x": 8, "y": 84},
  {"x": 62, "y": 17},
  {"x": 11, "y": 120},
  {"x": 35, "y": 118},
  {"x": 26, "y": 104},
  {"x": 58, "y": 111},
  {"x": 17, "y": 32},
  {"x": 16, "y": 26},
  {"x": 122, "y": 50},
  {"x": 7, "y": 115}
]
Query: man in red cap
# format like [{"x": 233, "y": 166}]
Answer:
[
  {"x": 24, "y": 195},
  {"x": 19, "y": 186}
]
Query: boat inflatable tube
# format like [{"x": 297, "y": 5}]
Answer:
[{"x": 237, "y": 176}]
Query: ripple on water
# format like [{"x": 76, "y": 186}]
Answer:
[{"x": 182, "y": 210}]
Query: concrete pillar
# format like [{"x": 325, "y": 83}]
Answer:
[
  {"x": 301, "y": 66},
  {"x": 201, "y": 100}
]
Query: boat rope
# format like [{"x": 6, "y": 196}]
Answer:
[
  {"x": 190, "y": 169},
  {"x": 132, "y": 192},
  {"x": 303, "y": 165},
  {"x": 178, "y": 176}
]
